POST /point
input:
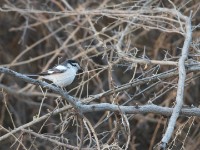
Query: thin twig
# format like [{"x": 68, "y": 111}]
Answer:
[{"x": 51, "y": 140}]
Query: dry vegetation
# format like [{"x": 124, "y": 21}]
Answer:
[{"x": 140, "y": 65}]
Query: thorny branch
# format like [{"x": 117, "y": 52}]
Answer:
[
  {"x": 84, "y": 108},
  {"x": 121, "y": 31}
]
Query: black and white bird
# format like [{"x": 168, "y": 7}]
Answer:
[{"x": 63, "y": 74}]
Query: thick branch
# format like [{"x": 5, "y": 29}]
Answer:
[
  {"x": 181, "y": 84},
  {"x": 95, "y": 107},
  {"x": 151, "y": 108},
  {"x": 109, "y": 107}
]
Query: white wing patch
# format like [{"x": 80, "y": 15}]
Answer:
[
  {"x": 50, "y": 71},
  {"x": 60, "y": 67}
]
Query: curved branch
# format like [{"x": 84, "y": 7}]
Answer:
[{"x": 181, "y": 83}]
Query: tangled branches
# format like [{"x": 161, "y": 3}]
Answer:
[{"x": 140, "y": 65}]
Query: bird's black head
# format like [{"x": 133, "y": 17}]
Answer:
[{"x": 74, "y": 63}]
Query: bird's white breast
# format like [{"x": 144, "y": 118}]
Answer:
[{"x": 62, "y": 79}]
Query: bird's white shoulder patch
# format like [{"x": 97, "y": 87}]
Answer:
[
  {"x": 60, "y": 67},
  {"x": 50, "y": 71}
]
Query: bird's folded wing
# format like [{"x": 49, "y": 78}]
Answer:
[{"x": 55, "y": 70}]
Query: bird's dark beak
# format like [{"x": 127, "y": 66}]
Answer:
[{"x": 80, "y": 70}]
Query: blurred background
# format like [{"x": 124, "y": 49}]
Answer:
[{"x": 100, "y": 35}]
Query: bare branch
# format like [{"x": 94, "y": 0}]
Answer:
[
  {"x": 131, "y": 55},
  {"x": 91, "y": 108},
  {"x": 181, "y": 83},
  {"x": 109, "y": 107}
]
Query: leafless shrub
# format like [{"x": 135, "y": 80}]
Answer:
[{"x": 140, "y": 66}]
